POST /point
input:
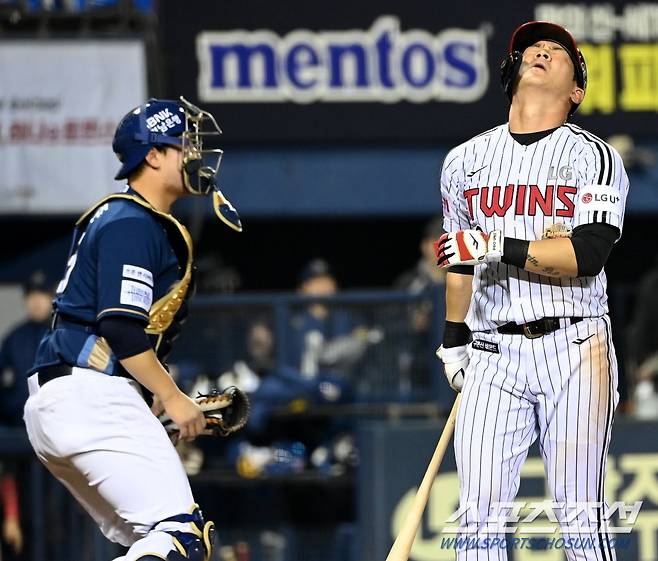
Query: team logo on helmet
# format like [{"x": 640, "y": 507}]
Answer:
[
  {"x": 162, "y": 121},
  {"x": 185, "y": 126}
]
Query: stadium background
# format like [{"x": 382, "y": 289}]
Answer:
[{"x": 351, "y": 182}]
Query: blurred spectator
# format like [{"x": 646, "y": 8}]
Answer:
[
  {"x": 17, "y": 352},
  {"x": 273, "y": 388},
  {"x": 19, "y": 347},
  {"x": 642, "y": 346},
  {"x": 322, "y": 337},
  {"x": 425, "y": 275},
  {"x": 416, "y": 358},
  {"x": 12, "y": 535},
  {"x": 635, "y": 158}
]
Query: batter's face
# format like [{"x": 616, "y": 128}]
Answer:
[{"x": 547, "y": 64}]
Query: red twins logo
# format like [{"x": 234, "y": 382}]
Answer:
[
  {"x": 530, "y": 200},
  {"x": 587, "y": 198}
]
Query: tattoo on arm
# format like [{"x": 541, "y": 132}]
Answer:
[{"x": 548, "y": 271}]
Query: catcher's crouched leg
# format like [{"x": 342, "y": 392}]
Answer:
[{"x": 183, "y": 537}]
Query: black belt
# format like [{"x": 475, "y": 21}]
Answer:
[
  {"x": 48, "y": 373},
  {"x": 65, "y": 322},
  {"x": 534, "y": 329}
]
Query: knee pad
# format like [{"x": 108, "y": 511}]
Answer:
[{"x": 193, "y": 545}]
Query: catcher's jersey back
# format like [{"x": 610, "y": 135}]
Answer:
[
  {"x": 120, "y": 262},
  {"x": 568, "y": 178}
]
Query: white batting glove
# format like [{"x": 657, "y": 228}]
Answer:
[
  {"x": 455, "y": 360},
  {"x": 469, "y": 247}
]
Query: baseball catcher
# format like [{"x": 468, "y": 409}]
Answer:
[{"x": 117, "y": 311}]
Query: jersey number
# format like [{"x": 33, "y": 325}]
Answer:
[{"x": 69, "y": 267}]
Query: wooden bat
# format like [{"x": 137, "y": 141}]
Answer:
[{"x": 405, "y": 539}]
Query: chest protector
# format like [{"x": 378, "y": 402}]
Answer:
[{"x": 169, "y": 311}]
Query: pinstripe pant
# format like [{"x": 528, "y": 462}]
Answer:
[{"x": 562, "y": 388}]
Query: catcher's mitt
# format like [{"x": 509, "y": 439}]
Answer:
[{"x": 225, "y": 412}]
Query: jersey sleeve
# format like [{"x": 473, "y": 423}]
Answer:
[
  {"x": 128, "y": 261},
  {"x": 603, "y": 187},
  {"x": 455, "y": 210}
]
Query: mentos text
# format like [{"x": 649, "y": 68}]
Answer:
[{"x": 380, "y": 64}]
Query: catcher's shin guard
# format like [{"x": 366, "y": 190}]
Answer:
[
  {"x": 195, "y": 545},
  {"x": 171, "y": 556}
]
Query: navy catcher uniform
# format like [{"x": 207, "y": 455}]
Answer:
[
  {"x": 116, "y": 312},
  {"x": 532, "y": 209}
]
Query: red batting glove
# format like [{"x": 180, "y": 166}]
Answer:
[{"x": 468, "y": 247}]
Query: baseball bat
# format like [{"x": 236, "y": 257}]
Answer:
[{"x": 402, "y": 546}]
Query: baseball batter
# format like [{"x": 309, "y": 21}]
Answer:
[
  {"x": 532, "y": 210},
  {"x": 116, "y": 313}
]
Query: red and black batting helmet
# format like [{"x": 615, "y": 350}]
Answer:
[{"x": 528, "y": 34}]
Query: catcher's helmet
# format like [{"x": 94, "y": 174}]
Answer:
[
  {"x": 162, "y": 122},
  {"x": 526, "y": 35},
  {"x": 157, "y": 122}
]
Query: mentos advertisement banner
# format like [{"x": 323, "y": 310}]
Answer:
[
  {"x": 393, "y": 71},
  {"x": 60, "y": 102},
  {"x": 382, "y": 64}
]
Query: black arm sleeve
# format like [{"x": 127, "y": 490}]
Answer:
[
  {"x": 125, "y": 335},
  {"x": 592, "y": 244}
]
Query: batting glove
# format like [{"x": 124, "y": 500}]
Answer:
[
  {"x": 469, "y": 247},
  {"x": 455, "y": 361}
]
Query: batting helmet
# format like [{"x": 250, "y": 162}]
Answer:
[
  {"x": 528, "y": 34},
  {"x": 162, "y": 122}
]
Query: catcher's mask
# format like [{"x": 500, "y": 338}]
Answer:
[
  {"x": 184, "y": 125},
  {"x": 528, "y": 34}
]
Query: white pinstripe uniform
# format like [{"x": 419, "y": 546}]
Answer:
[{"x": 561, "y": 387}]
